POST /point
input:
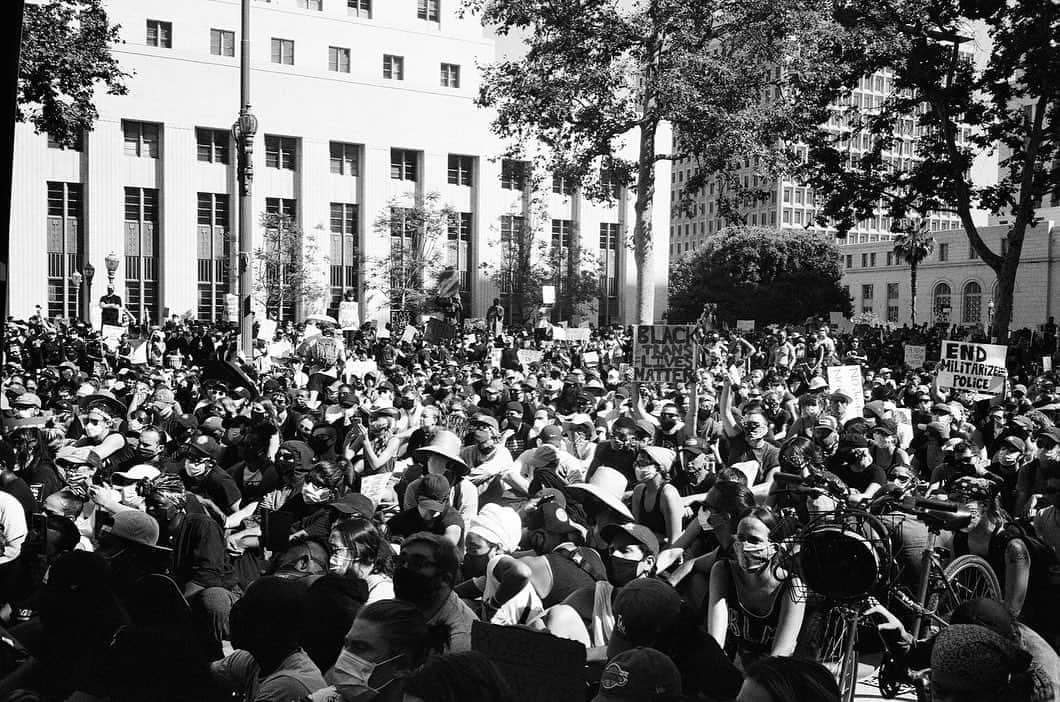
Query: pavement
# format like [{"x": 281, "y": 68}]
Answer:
[{"x": 868, "y": 689}]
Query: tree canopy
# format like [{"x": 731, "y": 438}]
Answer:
[
  {"x": 762, "y": 274},
  {"x": 66, "y": 55}
]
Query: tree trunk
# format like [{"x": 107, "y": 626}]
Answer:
[
  {"x": 912, "y": 293},
  {"x": 643, "y": 254},
  {"x": 1006, "y": 287}
]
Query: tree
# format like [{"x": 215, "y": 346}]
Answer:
[
  {"x": 285, "y": 268},
  {"x": 762, "y": 274},
  {"x": 1008, "y": 103},
  {"x": 597, "y": 73},
  {"x": 913, "y": 247},
  {"x": 408, "y": 276},
  {"x": 65, "y": 55}
]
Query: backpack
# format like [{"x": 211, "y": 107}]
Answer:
[{"x": 325, "y": 352}]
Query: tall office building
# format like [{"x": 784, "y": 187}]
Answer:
[
  {"x": 362, "y": 105},
  {"x": 790, "y": 204}
]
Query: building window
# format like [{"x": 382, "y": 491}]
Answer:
[
  {"x": 281, "y": 152},
  {"x": 460, "y": 168},
  {"x": 393, "y": 67},
  {"x": 890, "y": 258},
  {"x": 141, "y": 253},
  {"x": 785, "y": 216},
  {"x": 211, "y": 145},
  {"x": 281, "y": 252},
  {"x": 66, "y": 243},
  {"x": 427, "y": 10},
  {"x": 359, "y": 8},
  {"x": 850, "y": 261},
  {"x": 450, "y": 75},
  {"x": 944, "y": 252},
  {"x": 872, "y": 260},
  {"x": 458, "y": 252},
  {"x": 866, "y": 292},
  {"x": 222, "y": 42},
  {"x": 338, "y": 59},
  {"x": 609, "y": 236},
  {"x": 283, "y": 51},
  {"x": 214, "y": 248},
  {"x": 940, "y": 302},
  {"x": 864, "y": 260},
  {"x": 609, "y": 182},
  {"x": 513, "y": 174},
  {"x": 141, "y": 139},
  {"x": 78, "y": 145},
  {"x": 317, "y": 5},
  {"x": 562, "y": 186},
  {"x": 345, "y": 158},
  {"x": 972, "y": 303},
  {"x": 345, "y": 252},
  {"x": 160, "y": 34},
  {"x": 972, "y": 253},
  {"x": 892, "y": 314},
  {"x": 403, "y": 164},
  {"x": 892, "y": 291}
]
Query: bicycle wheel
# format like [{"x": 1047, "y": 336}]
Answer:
[
  {"x": 834, "y": 645},
  {"x": 967, "y": 577}
]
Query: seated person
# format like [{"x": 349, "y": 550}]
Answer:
[{"x": 432, "y": 513}]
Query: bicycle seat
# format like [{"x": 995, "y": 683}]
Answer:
[{"x": 950, "y": 521}]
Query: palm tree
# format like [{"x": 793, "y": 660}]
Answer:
[{"x": 913, "y": 247}]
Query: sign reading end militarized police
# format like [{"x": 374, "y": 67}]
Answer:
[
  {"x": 664, "y": 353},
  {"x": 977, "y": 368}
]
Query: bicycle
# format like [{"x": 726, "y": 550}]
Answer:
[{"x": 845, "y": 557}]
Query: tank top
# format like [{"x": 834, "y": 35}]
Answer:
[
  {"x": 752, "y": 634},
  {"x": 654, "y": 518},
  {"x": 567, "y": 576}
]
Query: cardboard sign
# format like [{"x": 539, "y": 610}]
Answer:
[
  {"x": 977, "y": 368},
  {"x": 409, "y": 334},
  {"x": 495, "y": 358},
  {"x": 591, "y": 358},
  {"x": 559, "y": 334},
  {"x": 267, "y": 329},
  {"x": 361, "y": 368},
  {"x": 664, "y": 353},
  {"x": 527, "y": 356},
  {"x": 578, "y": 334},
  {"x": 745, "y": 324},
  {"x": 374, "y": 487},
  {"x": 349, "y": 318},
  {"x": 847, "y": 379},
  {"x": 915, "y": 355},
  {"x": 1047, "y": 364},
  {"x": 548, "y": 294},
  {"x": 538, "y": 667}
]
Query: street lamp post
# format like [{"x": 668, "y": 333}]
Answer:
[
  {"x": 243, "y": 131},
  {"x": 76, "y": 279},
  {"x": 990, "y": 321}
]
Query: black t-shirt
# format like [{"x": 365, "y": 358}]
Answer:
[
  {"x": 672, "y": 441},
  {"x": 859, "y": 480},
  {"x": 607, "y": 455},
  {"x": 109, "y": 315},
  {"x": 409, "y": 522}
]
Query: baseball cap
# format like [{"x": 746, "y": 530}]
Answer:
[
  {"x": 941, "y": 408},
  {"x": 140, "y": 472},
  {"x": 817, "y": 383},
  {"x": 557, "y": 519},
  {"x": 27, "y": 399},
  {"x": 485, "y": 418},
  {"x": 694, "y": 445},
  {"x": 644, "y": 427},
  {"x": 186, "y": 420},
  {"x": 849, "y": 441},
  {"x": 355, "y": 503},
  {"x": 826, "y": 421},
  {"x": 551, "y": 434},
  {"x": 839, "y": 396},
  {"x": 644, "y": 609},
  {"x": 205, "y": 446},
  {"x": 1015, "y": 442},
  {"x": 1020, "y": 388},
  {"x": 639, "y": 532},
  {"x": 640, "y": 675},
  {"x": 514, "y": 406},
  {"x": 1050, "y": 433},
  {"x": 135, "y": 526},
  {"x": 433, "y": 492}
]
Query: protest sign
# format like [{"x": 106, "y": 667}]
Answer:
[
  {"x": 374, "y": 487},
  {"x": 495, "y": 358},
  {"x": 847, "y": 379},
  {"x": 349, "y": 319},
  {"x": 360, "y": 368},
  {"x": 559, "y": 334},
  {"x": 745, "y": 324},
  {"x": 267, "y": 329},
  {"x": 548, "y": 294},
  {"x": 978, "y": 368},
  {"x": 1047, "y": 364},
  {"x": 663, "y": 353},
  {"x": 915, "y": 355},
  {"x": 577, "y": 334},
  {"x": 409, "y": 334},
  {"x": 526, "y": 356},
  {"x": 591, "y": 358},
  {"x": 111, "y": 334},
  {"x": 539, "y": 667}
]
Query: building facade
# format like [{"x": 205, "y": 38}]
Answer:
[
  {"x": 362, "y": 105},
  {"x": 954, "y": 286}
]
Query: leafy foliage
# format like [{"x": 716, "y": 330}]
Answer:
[
  {"x": 1010, "y": 103},
  {"x": 913, "y": 247},
  {"x": 66, "y": 55},
  {"x": 284, "y": 269},
  {"x": 762, "y": 274}
]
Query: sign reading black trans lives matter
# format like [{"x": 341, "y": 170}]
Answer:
[
  {"x": 978, "y": 368},
  {"x": 664, "y": 353}
]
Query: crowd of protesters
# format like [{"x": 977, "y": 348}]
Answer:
[{"x": 328, "y": 518}]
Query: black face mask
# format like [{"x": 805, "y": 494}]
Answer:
[
  {"x": 320, "y": 444},
  {"x": 621, "y": 571},
  {"x": 475, "y": 565},
  {"x": 413, "y": 586}
]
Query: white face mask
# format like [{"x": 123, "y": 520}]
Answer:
[
  {"x": 314, "y": 495},
  {"x": 753, "y": 557},
  {"x": 352, "y": 670},
  {"x": 339, "y": 563}
]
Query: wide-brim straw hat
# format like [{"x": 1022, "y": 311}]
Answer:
[
  {"x": 608, "y": 486},
  {"x": 446, "y": 444}
]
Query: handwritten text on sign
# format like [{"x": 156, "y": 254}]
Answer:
[
  {"x": 663, "y": 353},
  {"x": 979, "y": 368}
]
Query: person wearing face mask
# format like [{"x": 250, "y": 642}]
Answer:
[
  {"x": 199, "y": 565},
  {"x": 1031, "y": 482},
  {"x": 386, "y": 641},
  {"x": 960, "y": 462},
  {"x": 515, "y": 431},
  {"x": 752, "y": 599},
  {"x": 126, "y": 489},
  {"x": 490, "y": 572},
  {"x": 656, "y": 503},
  {"x": 852, "y": 463},
  {"x": 255, "y": 476},
  {"x": 382, "y": 445},
  {"x": 431, "y": 512},
  {"x": 444, "y": 457},
  {"x": 323, "y": 441},
  {"x": 202, "y": 477},
  {"x": 130, "y": 546},
  {"x": 621, "y": 451},
  {"x": 749, "y": 447},
  {"x": 101, "y": 414},
  {"x": 426, "y": 573},
  {"x": 358, "y": 550},
  {"x": 33, "y": 464}
]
